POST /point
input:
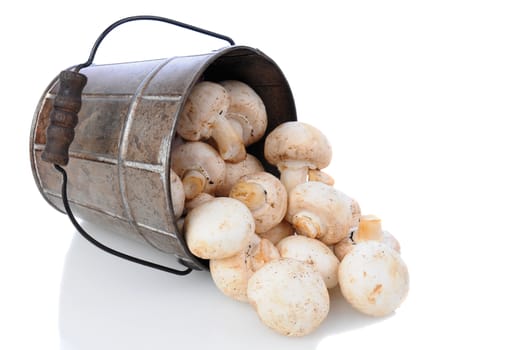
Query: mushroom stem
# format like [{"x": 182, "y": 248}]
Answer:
[
  {"x": 369, "y": 229},
  {"x": 251, "y": 194},
  {"x": 193, "y": 183},
  {"x": 236, "y": 125},
  {"x": 292, "y": 176},
  {"x": 230, "y": 145},
  {"x": 307, "y": 224}
]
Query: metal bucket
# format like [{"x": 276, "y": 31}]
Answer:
[{"x": 119, "y": 160}]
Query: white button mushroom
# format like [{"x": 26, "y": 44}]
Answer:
[
  {"x": 218, "y": 228},
  {"x": 373, "y": 278},
  {"x": 320, "y": 211},
  {"x": 295, "y": 147},
  {"x": 278, "y": 232},
  {"x": 199, "y": 166},
  {"x": 265, "y": 196},
  {"x": 232, "y": 274},
  {"x": 246, "y": 111},
  {"x": 203, "y": 117},
  {"x": 313, "y": 252},
  {"x": 233, "y": 172},
  {"x": 289, "y": 296},
  {"x": 177, "y": 193}
]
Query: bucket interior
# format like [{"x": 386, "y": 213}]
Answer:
[{"x": 266, "y": 79}]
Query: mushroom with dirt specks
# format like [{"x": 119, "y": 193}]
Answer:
[
  {"x": 199, "y": 166},
  {"x": 232, "y": 274},
  {"x": 265, "y": 196},
  {"x": 246, "y": 112},
  {"x": 313, "y": 252},
  {"x": 219, "y": 228},
  {"x": 320, "y": 211},
  {"x": 296, "y": 147},
  {"x": 233, "y": 172},
  {"x": 373, "y": 278},
  {"x": 289, "y": 296},
  {"x": 203, "y": 117}
]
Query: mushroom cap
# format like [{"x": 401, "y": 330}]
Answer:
[
  {"x": 391, "y": 241},
  {"x": 331, "y": 207},
  {"x": 278, "y": 232},
  {"x": 373, "y": 278},
  {"x": 232, "y": 274},
  {"x": 271, "y": 207},
  {"x": 289, "y": 296},
  {"x": 177, "y": 193},
  {"x": 313, "y": 252},
  {"x": 247, "y": 109},
  {"x": 297, "y": 142},
  {"x": 233, "y": 172},
  {"x": 219, "y": 228},
  {"x": 201, "y": 157},
  {"x": 205, "y": 103}
]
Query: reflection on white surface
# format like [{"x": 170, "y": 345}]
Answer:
[{"x": 109, "y": 303}]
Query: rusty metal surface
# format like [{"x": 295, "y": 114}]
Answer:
[{"x": 120, "y": 156}]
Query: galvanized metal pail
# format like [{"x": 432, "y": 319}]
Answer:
[{"x": 119, "y": 160}]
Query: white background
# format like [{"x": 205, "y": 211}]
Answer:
[{"x": 425, "y": 104}]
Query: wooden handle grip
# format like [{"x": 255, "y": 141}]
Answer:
[{"x": 63, "y": 117}]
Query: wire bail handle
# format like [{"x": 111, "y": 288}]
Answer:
[{"x": 64, "y": 117}]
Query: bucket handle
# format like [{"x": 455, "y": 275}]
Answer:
[
  {"x": 63, "y": 119},
  {"x": 148, "y": 18}
]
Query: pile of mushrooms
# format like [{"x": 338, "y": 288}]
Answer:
[{"x": 278, "y": 244}]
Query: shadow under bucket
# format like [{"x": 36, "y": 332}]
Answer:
[{"x": 119, "y": 160}]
